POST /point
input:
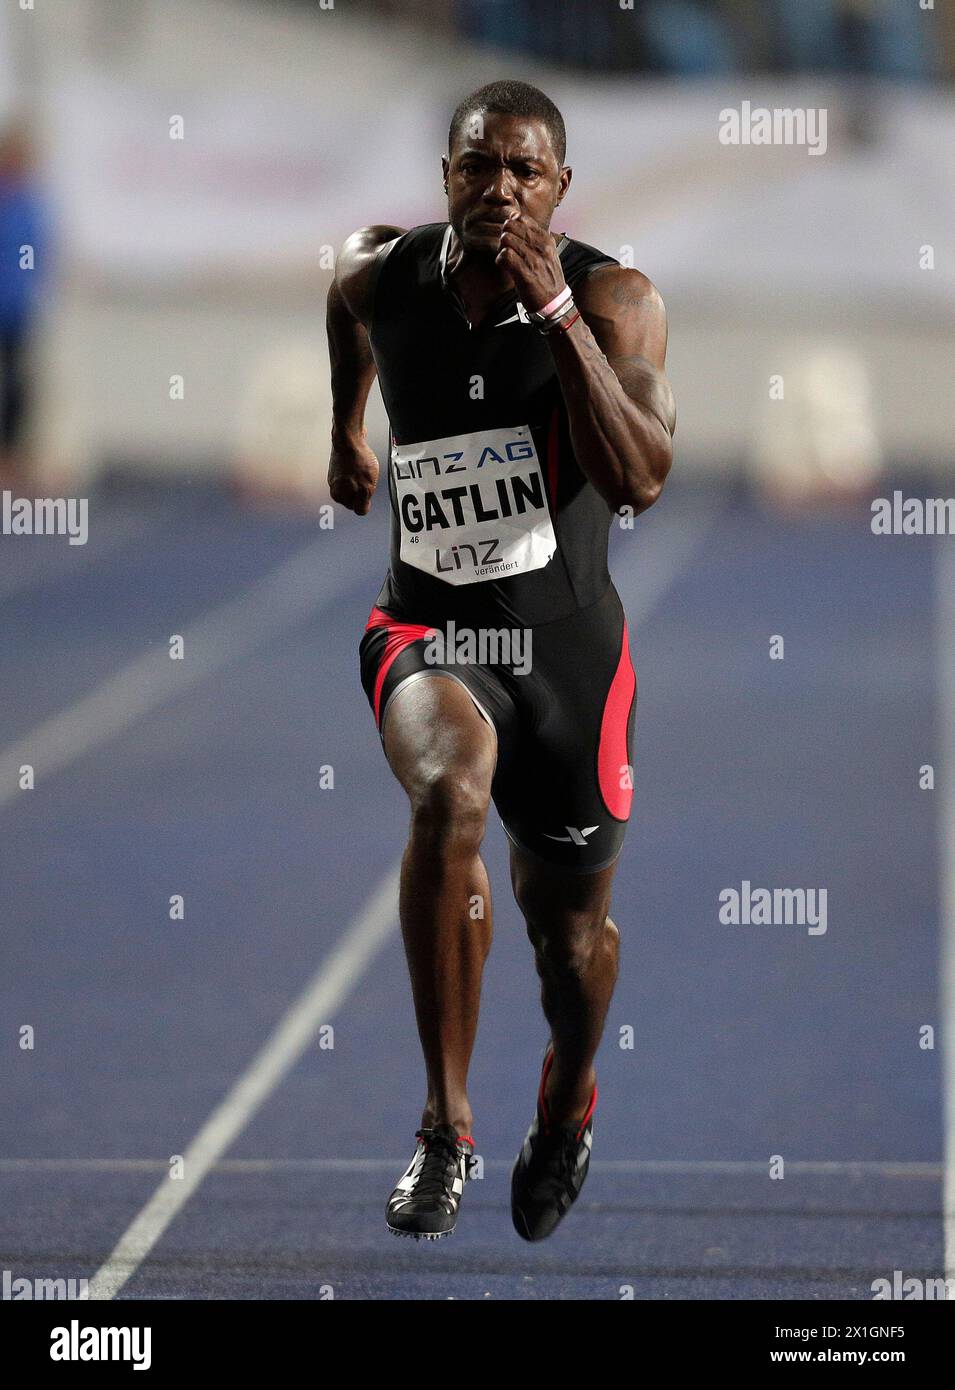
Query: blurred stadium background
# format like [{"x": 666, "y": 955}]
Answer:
[{"x": 207, "y": 258}]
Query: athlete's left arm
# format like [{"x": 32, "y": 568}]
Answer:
[
  {"x": 610, "y": 364},
  {"x": 619, "y": 402}
]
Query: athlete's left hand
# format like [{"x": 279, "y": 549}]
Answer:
[{"x": 529, "y": 255}]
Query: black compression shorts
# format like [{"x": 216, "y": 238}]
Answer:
[{"x": 562, "y": 704}]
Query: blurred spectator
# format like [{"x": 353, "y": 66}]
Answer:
[
  {"x": 22, "y": 269},
  {"x": 891, "y": 38},
  {"x": 576, "y": 33},
  {"x": 691, "y": 39},
  {"x": 885, "y": 37}
]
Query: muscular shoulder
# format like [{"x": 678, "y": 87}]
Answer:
[
  {"x": 625, "y": 311},
  {"x": 353, "y": 268},
  {"x": 610, "y": 288}
]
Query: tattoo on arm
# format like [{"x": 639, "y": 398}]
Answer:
[{"x": 626, "y": 297}]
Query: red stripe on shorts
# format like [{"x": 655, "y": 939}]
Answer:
[
  {"x": 400, "y": 635},
  {"x": 612, "y": 751},
  {"x": 552, "y": 440}
]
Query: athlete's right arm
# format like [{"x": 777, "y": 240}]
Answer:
[{"x": 353, "y": 467}]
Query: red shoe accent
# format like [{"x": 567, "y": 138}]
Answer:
[
  {"x": 545, "y": 1072},
  {"x": 465, "y": 1137},
  {"x": 542, "y": 1104},
  {"x": 590, "y": 1110}
]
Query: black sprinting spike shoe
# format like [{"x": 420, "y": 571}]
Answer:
[
  {"x": 550, "y": 1168},
  {"x": 425, "y": 1202}
]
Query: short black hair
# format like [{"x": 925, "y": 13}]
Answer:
[{"x": 512, "y": 98}]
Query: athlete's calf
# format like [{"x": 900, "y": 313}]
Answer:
[{"x": 575, "y": 951}]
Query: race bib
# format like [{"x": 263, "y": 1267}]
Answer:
[{"x": 473, "y": 506}]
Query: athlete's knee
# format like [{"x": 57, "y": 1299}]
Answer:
[
  {"x": 568, "y": 906},
  {"x": 449, "y": 807},
  {"x": 568, "y": 947}
]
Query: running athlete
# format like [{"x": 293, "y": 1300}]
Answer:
[{"x": 523, "y": 376}]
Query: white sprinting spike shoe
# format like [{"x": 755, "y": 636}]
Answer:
[{"x": 425, "y": 1202}]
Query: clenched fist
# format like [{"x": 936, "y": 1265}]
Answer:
[
  {"x": 529, "y": 254},
  {"x": 353, "y": 475}
]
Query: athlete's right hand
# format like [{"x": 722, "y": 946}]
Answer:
[{"x": 353, "y": 476}]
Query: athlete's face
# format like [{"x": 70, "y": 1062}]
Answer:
[{"x": 500, "y": 165}]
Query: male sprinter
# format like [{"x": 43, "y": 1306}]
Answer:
[{"x": 522, "y": 373}]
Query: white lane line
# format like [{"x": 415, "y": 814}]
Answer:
[
  {"x": 321, "y": 999},
  {"x": 82, "y": 1165},
  {"x": 657, "y": 563},
  {"x": 884, "y": 1168},
  {"x": 945, "y": 656},
  {"x": 880, "y": 1168},
  {"x": 299, "y": 587}
]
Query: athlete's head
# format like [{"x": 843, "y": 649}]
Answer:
[{"x": 506, "y": 150}]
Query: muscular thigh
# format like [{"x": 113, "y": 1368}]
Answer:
[
  {"x": 430, "y": 716},
  {"x": 433, "y": 729},
  {"x": 564, "y": 789}
]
